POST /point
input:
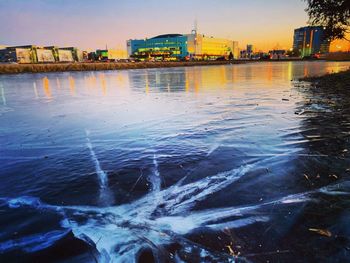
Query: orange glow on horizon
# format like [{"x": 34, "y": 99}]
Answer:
[{"x": 340, "y": 45}]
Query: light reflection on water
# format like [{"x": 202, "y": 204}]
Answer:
[
  {"x": 171, "y": 159},
  {"x": 200, "y": 79}
]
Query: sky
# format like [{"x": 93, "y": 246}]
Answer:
[{"x": 92, "y": 24}]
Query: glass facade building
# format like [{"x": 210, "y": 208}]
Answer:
[
  {"x": 163, "y": 46},
  {"x": 310, "y": 40},
  {"x": 177, "y": 46}
]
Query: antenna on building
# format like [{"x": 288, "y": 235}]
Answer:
[{"x": 195, "y": 27}]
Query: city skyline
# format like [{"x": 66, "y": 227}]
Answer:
[{"x": 94, "y": 24}]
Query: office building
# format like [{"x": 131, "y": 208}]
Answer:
[
  {"x": 277, "y": 54},
  {"x": 310, "y": 40},
  {"x": 77, "y": 54},
  {"x": 27, "y": 54},
  {"x": 178, "y": 46},
  {"x": 61, "y": 55},
  {"x": 250, "y": 51},
  {"x": 37, "y": 54},
  {"x": 109, "y": 54},
  {"x": 19, "y": 54}
]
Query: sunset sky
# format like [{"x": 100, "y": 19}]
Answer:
[{"x": 92, "y": 24}]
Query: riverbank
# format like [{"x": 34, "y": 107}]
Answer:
[
  {"x": 334, "y": 83},
  {"x": 330, "y": 92},
  {"x": 99, "y": 66},
  {"x": 95, "y": 66}
]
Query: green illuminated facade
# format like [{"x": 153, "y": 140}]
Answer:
[
  {"x": 176, "y": 46},
  {"x": 163, "y": 46}
]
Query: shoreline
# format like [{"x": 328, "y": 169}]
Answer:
[
  {"x": 100, "y": 66},
  {"x": 11, "y": 69},
  {"x": 333, "y": 87},
  {"x": 333, "y": 81}
]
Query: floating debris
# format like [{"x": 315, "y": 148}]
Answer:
[
  {"x": 231, "y": 252},
  {"x": 322, "y": 232},
  {"x": 333, "y": 175}
]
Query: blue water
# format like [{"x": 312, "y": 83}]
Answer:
[{"x": 202, "y": 164}]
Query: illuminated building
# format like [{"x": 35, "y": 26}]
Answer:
[
  {"x": 250, "y": 51},
  {"x": 77, "y": 54},
  {"x": 19, "y": 54},
  {"x": 110, "y": 54},
  {"x": 45, "y": 55},
  {"x": 36, "y": 54},
  {"x": 235, "y": 50},
  {"x": 101, "y": 54},
  {"x": 277, "y": 54},
  {"x": 61, "y": 55},
  {"x": 177, "y": 46},
  {"x": 310, "y": 40},
  {"x": 163, "y": 46}
]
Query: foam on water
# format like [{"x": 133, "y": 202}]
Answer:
[
  {"x": 3, "y": 95},
  {"x": 106, "y": 196},
  {"x": 102, "y": 176},
  {"x": 35, "y": 91},
  {"x": 119, "y": 232},
  {"x": 154, "y": 177},
  {"x": 34, "y": 242},
  {"x": 159, "y": 217}
]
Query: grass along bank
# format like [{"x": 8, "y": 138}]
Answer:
[{"x": 95, "y": 66}]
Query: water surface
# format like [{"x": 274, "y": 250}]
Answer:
[{"x": 202, "y": 164}]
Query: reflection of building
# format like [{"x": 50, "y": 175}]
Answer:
[
  {"x": 184, "y": 79},
  {"x": 310, "y": 40},
  {"x": 177, "y": 46}
]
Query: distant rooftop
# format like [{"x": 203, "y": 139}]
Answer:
[
  {"x": 167, "y": 36},
  {"x": 309, "y": 27}
]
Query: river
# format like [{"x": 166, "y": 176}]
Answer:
[{"x": 200, "y": 164}]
